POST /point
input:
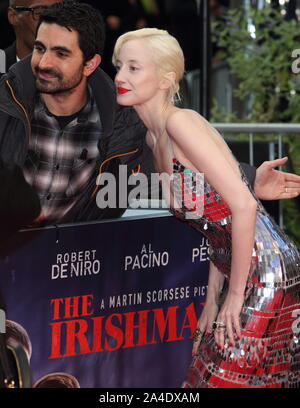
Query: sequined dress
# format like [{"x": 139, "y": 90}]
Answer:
[{"x": 268, "y": 353}]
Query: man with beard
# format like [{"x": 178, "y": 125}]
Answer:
[{"x": 59, "y": 121}]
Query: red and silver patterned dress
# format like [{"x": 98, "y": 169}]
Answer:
[{"x": 268, "y": 354}]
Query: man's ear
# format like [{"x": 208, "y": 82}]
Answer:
[
  {"x": 168, "y": 80},
  {"x": 92, "y": 64},
  {"x": 12, "y": 17}
]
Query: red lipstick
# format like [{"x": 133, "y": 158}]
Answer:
[{"x": 121, "y": 90}]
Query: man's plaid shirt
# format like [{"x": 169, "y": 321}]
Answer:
[{"x": 60, "y": 161}]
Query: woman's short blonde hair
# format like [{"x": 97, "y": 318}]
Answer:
[{"x": 167, "y": 53}]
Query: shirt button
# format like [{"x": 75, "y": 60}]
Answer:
[
  {"x": 57, "y": 167},
  {"x": 48, "y": 196}
]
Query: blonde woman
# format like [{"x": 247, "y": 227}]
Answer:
[{"x": 245, "y": 336}]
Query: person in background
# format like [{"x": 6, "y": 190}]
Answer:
[
  {"x": 7, "y": 35},
  {"x": 23, "y": 16}
]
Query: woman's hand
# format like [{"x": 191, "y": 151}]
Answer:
[
  {"x": 211, "y": 308},
  {"x": 229, "y": 315},
  {"x": 205, "y": 322}
]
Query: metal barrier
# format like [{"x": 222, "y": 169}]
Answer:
[
  {"x": 253, "y": 128},
  {"x": 278, "y": 129}
]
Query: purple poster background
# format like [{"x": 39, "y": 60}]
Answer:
[{"x": 113, "y": 304}]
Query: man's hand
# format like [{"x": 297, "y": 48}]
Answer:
[{"x": 273, "y": 184}]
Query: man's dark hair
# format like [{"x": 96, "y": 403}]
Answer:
[{"x": 84, "y": 19}]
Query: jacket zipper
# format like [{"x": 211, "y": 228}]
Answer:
[
  {"x": 106, "y": 161},
  {"x": 21, "y": 106}
]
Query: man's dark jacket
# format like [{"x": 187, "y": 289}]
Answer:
[
  {"x": 11, "y": 55},
  {"x": 121, "y": 142}
]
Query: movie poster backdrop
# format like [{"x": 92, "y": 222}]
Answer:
[{"x": 111, "y": 304}]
